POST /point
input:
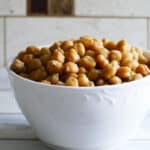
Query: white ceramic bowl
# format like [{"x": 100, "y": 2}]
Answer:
[{"x": 83, "y": 118}]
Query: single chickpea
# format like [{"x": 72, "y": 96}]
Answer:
[
  {"x": 102, "y": 51},
  {"x": 60, "y": 83},
  {"x": 115, "y": 64},
  {"x": 143, "y": 69},
  {"x": 115, "y": 55},
  {"x": 87, "y": 41},
  {"x": 109, "y": 71},
  {"x": 59, "y": 50},
  {"x": 27, "y": 58},
  {"x": 94, "y": 74},
  {"x": 131, "y": 64},
  {"x": 38, "y": 75},
  {"x": 54, "y": 78},
  {"x": 21, "y": 55},
  {"x": 34, "y": 64},
  {"x": 82, "y": 70},
  {"x": 135, "y": 54},
  {"x": 126, "y": 56},
  {"x": 124, "y": 72},
  {"x": 71, "y": 67},
  {"x": 137, "y": 76},
  {"x": 90, "y": 53},
  {"x": 105, "y": 41},
  {"x": 87, "y": 62},
  {"x": 83, "y": 80},
  {"x": 54, "y": 66},
  {"x": 143, "y": 59},
  {"x": 72, "y": 55},
  {"x": 72, "y": 81},
  {"x": 67, "y": 45},
  {"x": 91, "y": 84},
  {"x": 24, "y": 75},
  {"x": 57, "y": 55},
  {"x": 100, "y": 82},
  {"x": 45, "y": 51},
  {"x": 97, "y": 44},
  {"x": 123, "y": 46},
  {"x": 56, "y": 45},
  {"x": 18, "y": 66},
  {"x": 102, "y": 61},
  {"x": 45, "y": 58},
  {"x": 33, "y": 50},
  {"x": 114, "y": 80},
  {"x": 80, "y": 49},
  {"x": 45, "y": 81},
  {"x": 110, "y": 45}
]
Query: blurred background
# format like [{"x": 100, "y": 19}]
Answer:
[{"x": 40, "y": 22}]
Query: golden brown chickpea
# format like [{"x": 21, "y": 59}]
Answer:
[
  {"x": 45, "y": 81},
  {"x": 110, "y": 45},
  {"x": 83, "y": 80},
  {"x": 45, "y": 58},
  {"x": 91, "y": 84},
  {"x": 38, "y": 75},
  {"x": 60, "y": 83},
  {"x": 72, "y": 81},
  {"x": 54, "y": 66},
  {"x": 94, "y": 74},
  {"x": 87, "y": 41},
  {"x": 143, "y": 69},
  {"x": 82, "y": 70},
  {"x": 103, "y": 51},
  {"x": 80, "y": 48},
  {"x": 71, "y": 67},
  {"x": 102, "y": 61},
  {"x": 115, "y": 55},
  {"x": 124, "y": 72},
  {"x": 97, "y": 44},
  {"x": 87, "y": 62},
  {"x": 72, "y": 55},
  {"x": 21, "y": 55},
  {"x": 114, "y": 80},
  {"x": 105, "y": 41},
  {"x": 45, "y": 50},
  {"x": 59, "y": 50},
  {"x": 100, "y": 82},
  {"x": 135, "y": 54},
  {"x": 56, "y": 45},
  {"x": 27, "y": 58},
  {"x": 115, "y": 64},
  {"x": 131, "y": 64},
  {"x": 137, "y": 76},
  {"x": 33, "y": 50},
  {"x": 143, "y": 59},
  {"x": 24, "y": 75},
  {"x": 90, "y": 53},
  {"x": 34, "y": 64},
  {"x": 18, "y": 66},
  {"x": 67, "y": 45},
  {"x": 109, "y": 71},
  {"x": 123, "y": 46},
  {"x": 54, "y": 78},
  {"x": 126, "y": 56},
  {"x": 57, "y": 55}
]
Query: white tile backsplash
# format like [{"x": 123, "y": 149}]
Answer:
[
  {"x": 12, "y": 7},
  {"x": 112, "y": 7},
  {"x": 1, "y": 42},
  {"x": 21, "y": 32}
]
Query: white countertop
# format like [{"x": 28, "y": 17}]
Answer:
[{"x": 16, "y": 133}]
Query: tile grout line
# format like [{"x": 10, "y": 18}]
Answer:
[{"x": 4, "y": 36}]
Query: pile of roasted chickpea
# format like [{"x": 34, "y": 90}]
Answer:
[{"x": 86, "y": 61}]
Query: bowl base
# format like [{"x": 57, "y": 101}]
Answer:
[{"x": 112, "y": 147}]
